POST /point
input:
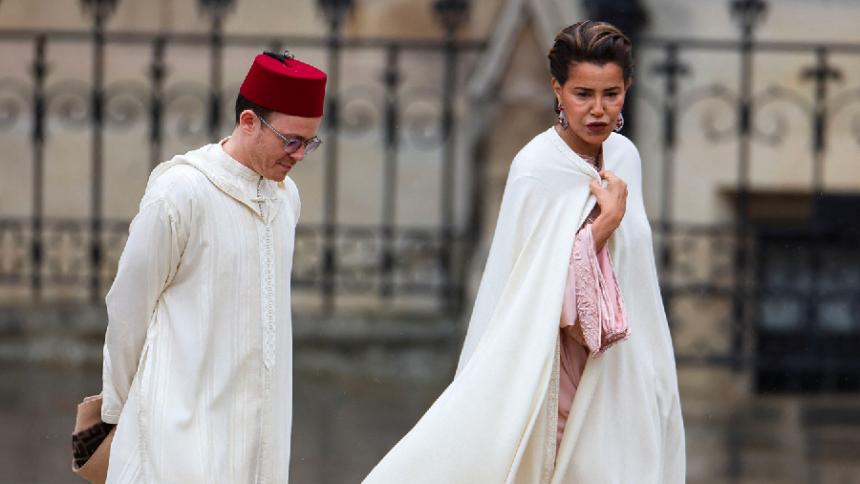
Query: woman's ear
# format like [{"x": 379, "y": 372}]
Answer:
[
  {"x": 628, "y": 83},
  {"x": 556, "y": 88}
]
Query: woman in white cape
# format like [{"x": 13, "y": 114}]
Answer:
[{"x": 574, "y": 193}]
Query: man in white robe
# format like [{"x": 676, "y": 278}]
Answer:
[{"x": 198, "y": 352}]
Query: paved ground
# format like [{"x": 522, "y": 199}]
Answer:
[{"x": 342, "y": 426}]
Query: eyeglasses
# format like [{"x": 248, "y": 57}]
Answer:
[{"x": 293, "y": 145}]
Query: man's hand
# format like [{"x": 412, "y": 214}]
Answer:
[{"x": 613, "y": 204}]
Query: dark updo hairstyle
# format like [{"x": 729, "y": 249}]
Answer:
[{"x": 588, "y": 41}]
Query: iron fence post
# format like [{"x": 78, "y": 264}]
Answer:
[
  {"x": 821, "y": 74},
  {"x": 217, "y": 10},
  {"x": 335, "y": 12},
  {"x": 40, "y": 71},
  {"x": 451, "y": 14},
  {"x": 391, "y": 77},
  {"x": 672, "y": 69},
  {"x": 215, "y": 81},
  {"x": 749, "y": 13},
  {"x": 101, "y": 10},
  {"x": 157, "y": 73},
  {"x": 98, "y": 158}
]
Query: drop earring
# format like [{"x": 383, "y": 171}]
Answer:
[
  {"x": 619, "y": 123},
  {"x": 562, "y": 118}
]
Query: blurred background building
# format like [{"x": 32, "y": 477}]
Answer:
[{"x": 746, "y": 113}]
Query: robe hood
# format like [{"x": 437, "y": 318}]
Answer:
[{"x": 233, "y": 178}]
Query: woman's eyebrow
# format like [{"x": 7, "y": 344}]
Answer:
[{"x": 588, "y": 89}]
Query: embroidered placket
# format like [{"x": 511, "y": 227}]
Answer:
[{"x": 268, "y": 283}]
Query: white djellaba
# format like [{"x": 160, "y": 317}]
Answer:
[
  {"x": 496, "y": 422},
  {"x": 198, "y": 351}
]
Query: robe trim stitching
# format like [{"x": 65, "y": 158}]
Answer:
[
  {"x": 577, "y": 160},
  {"x": 144, "y": 370},
  {"x": 552, "y": 418}
]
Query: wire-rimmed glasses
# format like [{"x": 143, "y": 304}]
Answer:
[{"x": 293, "y": 145}]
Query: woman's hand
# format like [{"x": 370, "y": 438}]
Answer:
[{"x": 613, "y": 204}]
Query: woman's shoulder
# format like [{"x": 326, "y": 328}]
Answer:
[
  {"x": 620, "y": 147},
  {"x": 538, "y": 158},
  {"x": 622, "y": 156},
  {"x": 539, "y": 146}
]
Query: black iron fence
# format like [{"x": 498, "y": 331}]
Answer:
[
  {"x": 773, "y": 288},
  {"x": 396, "y": 101}
]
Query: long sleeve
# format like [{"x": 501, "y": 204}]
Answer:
[
  {"x": 148, "y": 263},
  {"x": 593, "y": 310},
  {"x": 593, "y": 317}
]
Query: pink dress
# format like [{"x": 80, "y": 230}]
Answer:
[{"x": 593, "y": 316}]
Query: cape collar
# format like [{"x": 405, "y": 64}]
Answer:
[{"x": 581, "y": 164}]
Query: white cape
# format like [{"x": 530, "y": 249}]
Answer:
[{"x": 496, "y": 422}]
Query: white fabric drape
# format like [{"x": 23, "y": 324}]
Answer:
[
  {"x": 198, "y": 350},
  {"x": 495, "y": 423}
]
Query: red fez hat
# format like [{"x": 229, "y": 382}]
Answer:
[{"x": 285, "y": 85}]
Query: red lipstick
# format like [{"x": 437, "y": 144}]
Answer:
[{"x": 596, "y": 127}]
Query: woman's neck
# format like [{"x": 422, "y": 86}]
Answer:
[{"x": 577, "y": 144}]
